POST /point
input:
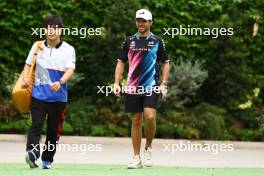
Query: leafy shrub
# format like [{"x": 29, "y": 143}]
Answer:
[{"x": 185, "y": 79}]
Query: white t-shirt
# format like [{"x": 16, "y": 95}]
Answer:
[{"x": 51, "y": 65}]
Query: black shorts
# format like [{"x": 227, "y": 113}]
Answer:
[{"x": 137, "y": 103}]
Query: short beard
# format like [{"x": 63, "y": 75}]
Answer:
[{"x": 146, "y": 30}]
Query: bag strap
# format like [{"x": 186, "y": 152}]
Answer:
[{"x": 38, "y": 47}]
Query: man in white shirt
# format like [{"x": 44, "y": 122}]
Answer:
[{"x": 55, "y": 65}]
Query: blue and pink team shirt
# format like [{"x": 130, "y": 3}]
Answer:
[
  {"x": 144, "y": 55},
  {"x": 51, "y": 65}
]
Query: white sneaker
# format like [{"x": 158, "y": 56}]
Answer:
[
  {"x": 135, "y": 163},
  {"x": 148, "y": 157}
]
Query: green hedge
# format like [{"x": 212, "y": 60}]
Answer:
[{"x": 234, "y": 64}]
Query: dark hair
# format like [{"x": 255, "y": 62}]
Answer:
[{"x": 52, "y": 20}]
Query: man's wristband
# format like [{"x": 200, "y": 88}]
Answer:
[
  {"x": 164, "y": 82},
  {"x": 62, "y": 82}
]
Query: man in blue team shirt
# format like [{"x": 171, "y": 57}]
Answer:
[{"x": 144, "y": 51}]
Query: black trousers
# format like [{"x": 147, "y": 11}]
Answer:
[{"x": 54, "y": 112}]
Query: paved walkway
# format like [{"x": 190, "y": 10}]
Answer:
[{"x": 102, "y": 150}]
